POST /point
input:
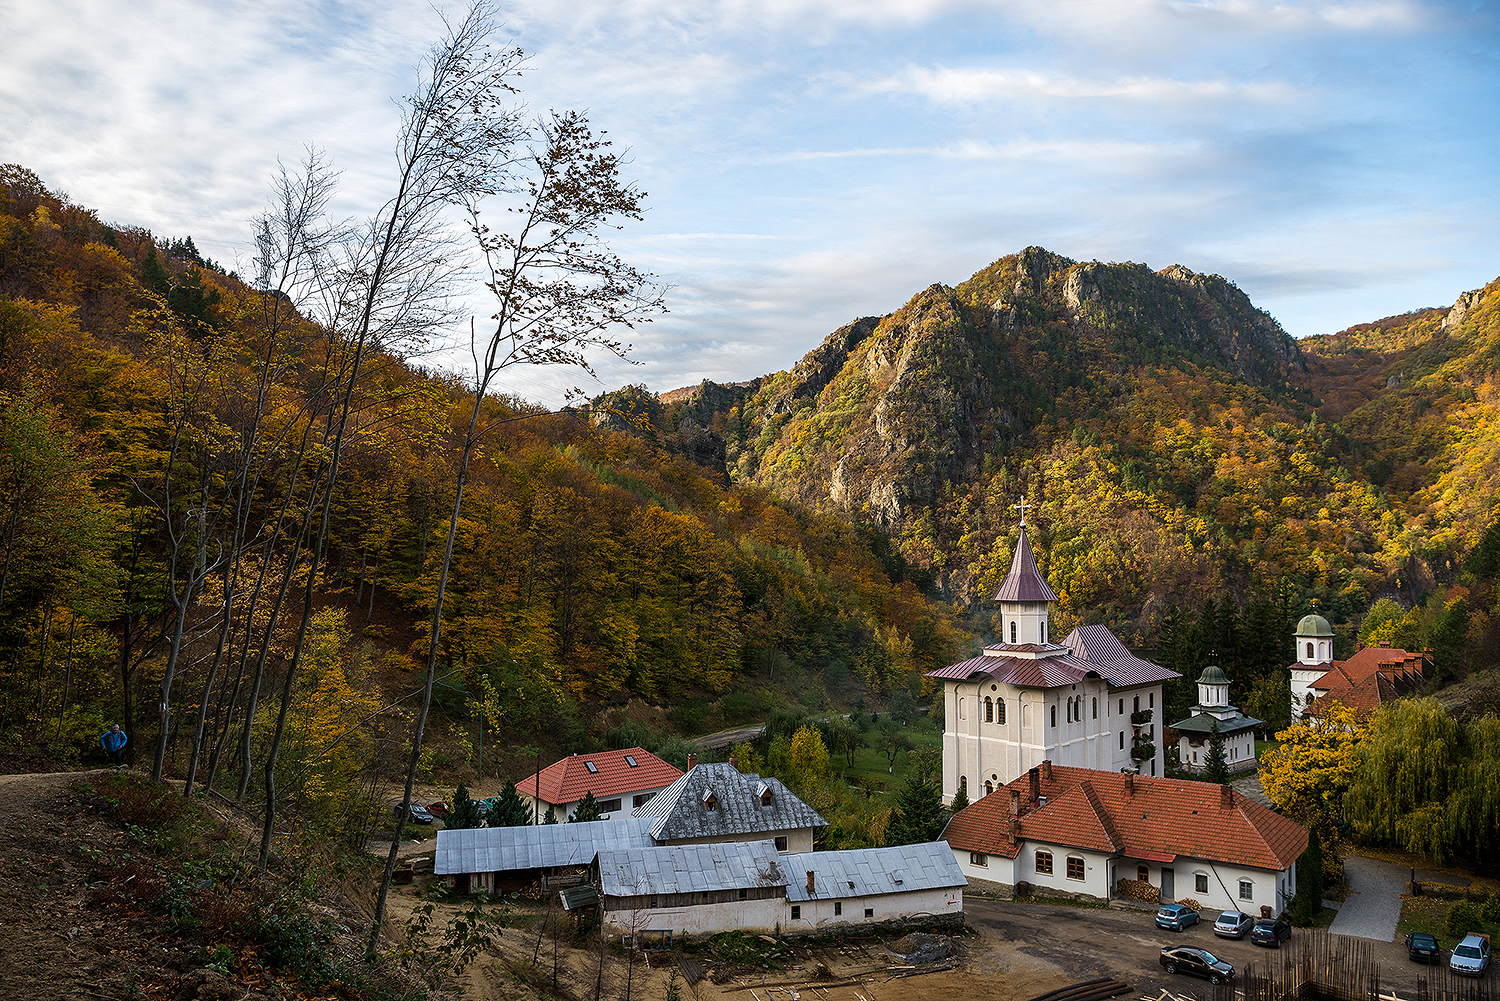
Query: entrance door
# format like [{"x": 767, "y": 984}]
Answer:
[{"x": 1168, "y": 891}]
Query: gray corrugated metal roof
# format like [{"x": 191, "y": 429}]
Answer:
[
  {"x": 498, "y": 849},
  {"x": 727, "y": 865},
  {"x": 865, "y": 872},
  {"x": 680, "y": 810},
  {"x": 1203, "y": 722}
]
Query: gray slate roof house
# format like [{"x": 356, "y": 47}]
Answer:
[
  {"x": 715, "y": 802},
  {"x": 692, "y": 869}
]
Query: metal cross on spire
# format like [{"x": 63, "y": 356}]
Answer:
[{"x": 1023, "y": 506}]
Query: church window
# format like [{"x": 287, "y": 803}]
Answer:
[
  {"x": 1136, "y": 706},
  {"x": 963, "y": 711},
  {"x": 1044, "y": 630},
  {"x": 1151, "y": 700},
  {"x": 989, "y": 710},
  {"x": 963, "y": 784},
  {"x": 1000, "y": 712},
  {"x": 1247, "y": 890},
  {"x": 1013, "y": 630},
  {"x": 1054, "y": 715},
  {"x": 1044, "y": 862},
  {"x": 1122, "y": 740},
  {"x": 1200, "y": 882},
  {"x": 1075, "y": 867},
  {"x": 1122, "y": 707},
  {"x": 989, "y": 787},
  {"x": 1096, "y": 709},
  {"x": 1309, "y": 651}
]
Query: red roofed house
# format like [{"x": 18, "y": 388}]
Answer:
[
  {"x": 1375, "y": 675},
  {"x": 619, "y": 780},
  {"x": 1086, "y": 702},
  {"x": 1078, "y": 832}
]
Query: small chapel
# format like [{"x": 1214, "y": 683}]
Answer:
[
  {"x": 1086, "y": 702},
  {"x": 1214, "y": 713}
]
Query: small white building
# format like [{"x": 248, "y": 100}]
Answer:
[
  {"x": 868, "y": 885},
  {"x": 621, "y": 781},
  {"x": 691, "y": 889},
  {"x": 1314, "y": 652},
  {"x": 1080, "y": 833},
  {"x": 480, "y": 858},
  {"x": 1195, "y": 734}
]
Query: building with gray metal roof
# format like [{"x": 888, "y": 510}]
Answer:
[
  {"x": 869, "y": 872},
  {"x": 716, "y": 802},
  {"x": 484, "y": 851}
]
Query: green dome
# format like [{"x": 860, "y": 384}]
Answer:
[
  {"x": 1212, "y": 676},
  {"x": 1314, "y": 625}
]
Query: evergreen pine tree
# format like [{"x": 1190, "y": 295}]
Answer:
[
  {"x": 587, "y": 809},
  {"x": 465, "y": 812},
  {"x": 550, "y": 818},
  {"x": 153, "y": 275},
  {"x": 960, "y": 800},
  {"x": 919, "y": 815},
  {"x": 1310, "y": 879},
  {"x": 510, "y": 810},
  {"x": 1216, "y": 768}
]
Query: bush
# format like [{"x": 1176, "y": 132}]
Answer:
[
  {"x": 1461, "y": 920},
  {"x": 1490, "y": 909}
]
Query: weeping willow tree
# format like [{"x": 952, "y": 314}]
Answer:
[{"x": 1426, "y": 782}]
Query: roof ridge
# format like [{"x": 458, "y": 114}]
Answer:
[{"x": 1105, "y": 820}]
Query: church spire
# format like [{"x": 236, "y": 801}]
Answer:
[{"x": 1024, "y": 596}]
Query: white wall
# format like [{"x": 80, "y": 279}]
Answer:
[
  {"x": 886, "y": 907},
  {"x": 702, "y": 919},
  {"x": 562, "y": 811},
  {"x": 797, "y": 840}
]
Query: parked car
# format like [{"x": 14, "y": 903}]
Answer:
[
  {"x": 1197, "y": 962},
  {"x": 1176, "y": 917},
  {"x": 1423, "y": 948},
  {"x": 1233, "y": 924},
  {"x": 418, "y": 815},
  {"x": 1471, "y": 956},
  {"x": 1271, "y": 932},
  {"x": 438, "y": 809}
]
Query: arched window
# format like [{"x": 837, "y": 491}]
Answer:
[
  {"x": 1309, "y": 651},
  {"x": 989, "y": 787},
  {"x": 1013, "y": 631},
  {"x": 1137, "y": 705},
  {"x": 1054, "y": 714},
  {"x": 963, "y": 784},
  {"x": 1096, "y": 709},
  {"x": 1044, "y": 630},
  {"x": 989, "y": 710},
  {"x": 1000, "y": 712}
]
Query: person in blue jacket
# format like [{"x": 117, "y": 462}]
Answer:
[{"x": 113, "y": 742}]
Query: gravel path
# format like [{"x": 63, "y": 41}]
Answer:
[{"x": 1373, "y": 909}]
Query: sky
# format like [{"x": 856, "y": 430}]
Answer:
[{"x": 808, "y": 162}]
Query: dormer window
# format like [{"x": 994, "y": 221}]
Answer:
[
  {"x": 766, "y": 796},
  {"x": 710, "y": 802},
  {"x": 630, "y": 760},
  {"x": 593, "y": 768}
]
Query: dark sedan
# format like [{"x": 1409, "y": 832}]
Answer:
[
  {"x": 1423, "y": 948},
  {"x": 1197, "y": 962},
  {"x": 1271, "y": 932}
]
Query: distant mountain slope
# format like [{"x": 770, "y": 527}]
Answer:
[{"x": 1166, "y": 430}]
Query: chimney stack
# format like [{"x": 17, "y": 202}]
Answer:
[
  {"x": 692, "y": 761},
  {"x": 1385, "y": 644},
  {"x": 1226, "y": 797},
  {"x": 1036, "y": 784},
  {"x": 1130, "y": 783},
  {"x": 734, "y": 763},
  {"x": 809, "y": 882},
  {"x": 1015, "y": 802},
  {"x": 1013, "y": 830},
  {"x": 1047, "y": 769}
]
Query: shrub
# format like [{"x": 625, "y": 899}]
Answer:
[
  {"x": 1461, "y": 920},
  {"x": 1490, "y": 909}
]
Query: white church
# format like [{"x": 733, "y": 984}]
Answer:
[{"x": 1086, "y": 702}]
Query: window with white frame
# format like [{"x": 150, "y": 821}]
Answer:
[
  {"x": 1075, "y": 867},
  {"x": 1200, "y": 882},
  {"x": 980, "y": 859},
  {"x": 1044, "y": 862},
  {"x": 1247, "y": 890}
]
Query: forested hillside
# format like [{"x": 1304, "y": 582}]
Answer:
[{"x": 165, "y": 425}]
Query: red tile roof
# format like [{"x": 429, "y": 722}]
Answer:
[
  {"x": 1134, "y": 816},
  {"x": 1373, "y": 676},
  {"x": 1024, "y": 582},
  {"x": 567, "y": 780}
]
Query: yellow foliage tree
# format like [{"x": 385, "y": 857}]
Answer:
[
  {"x": 1309, "y": 770},
  {"x": 807, "y": 757}
]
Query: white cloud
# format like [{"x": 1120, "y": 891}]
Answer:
[{"x": 970, "y": 84}]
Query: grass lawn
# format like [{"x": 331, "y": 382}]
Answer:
[
  {"x": 1429, "y": 914},
  {"x": 873, "y": 766}
]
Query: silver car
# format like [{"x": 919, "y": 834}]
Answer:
[{"x": 1233, "y": 924}]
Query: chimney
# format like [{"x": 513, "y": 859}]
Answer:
[
  {"x": 1036, "y": 784},
  {"x": 734, "y": 763},
  {"x": 1226, "y": 797},
  {"x": 1015, "y": 802},
  {"x": 692, "y": 761},
  {"x": 1130, "y": 783},
  {"x": 1047, "y": 769},
  {"x": 1013, "y": 830},
  {"x": 1385, "y": 644},
  {"x": 809, "y": 882}
]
